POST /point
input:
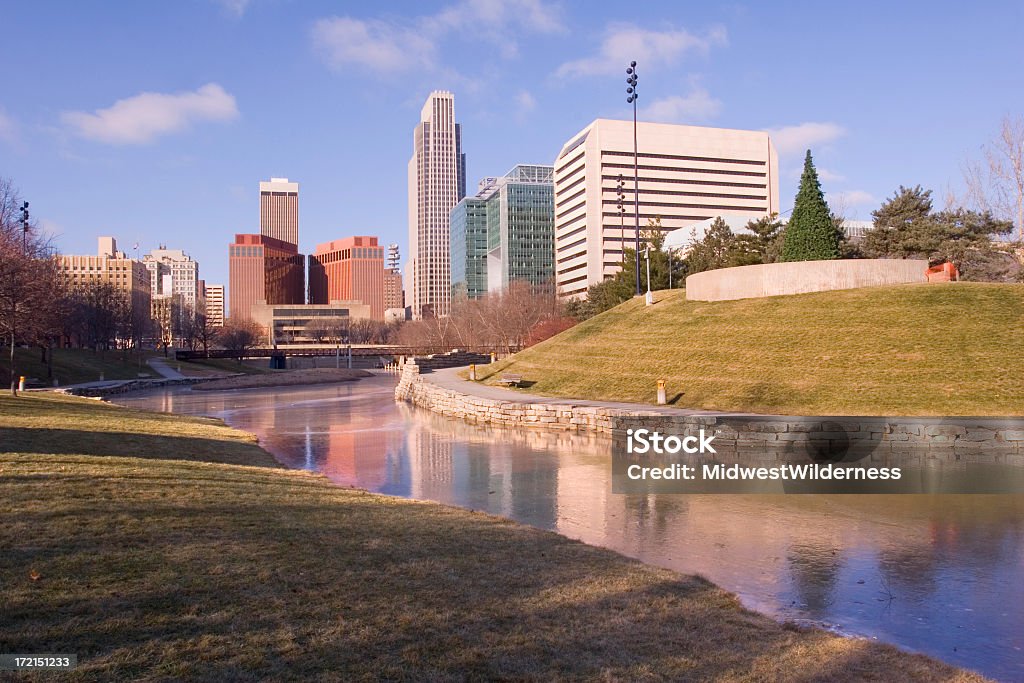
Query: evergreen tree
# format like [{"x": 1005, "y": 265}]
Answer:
[
  {"x": 811, "y": 234},
  {"x": 712, "y": 251},
  {"x": 622, "y": 286},
  {"x": 907, "y": 227}
]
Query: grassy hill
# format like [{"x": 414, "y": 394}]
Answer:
[
  {"x": 71, "y": 366},
  {"x": 950, "y": 349},
  {"x": 159, "y": 547}
]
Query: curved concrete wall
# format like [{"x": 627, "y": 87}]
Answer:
[{"x": 774, "y": 279}]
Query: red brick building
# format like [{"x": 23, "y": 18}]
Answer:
[
  {"x": 263, "y": 269},
  {"x": 350, "y": 269}
]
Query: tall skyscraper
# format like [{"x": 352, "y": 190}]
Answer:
[
  {"x": 350, "y": 269},
  {"x": 687, "y": 174},
  {"x": 279, "y": 210},
  {"x": 437, "y": 181}
]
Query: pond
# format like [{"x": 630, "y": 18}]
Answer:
[{"x": 939, "y": 574}]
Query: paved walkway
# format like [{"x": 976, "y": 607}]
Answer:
[
  {"x": 163, "y": 369},
  {"x": 448, "y": 378}
]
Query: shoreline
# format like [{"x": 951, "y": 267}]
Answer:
[
  {"x": 748, "y": 602},
  {"x": 682, "y": 589},
  {"x": 951, "y": 438}
]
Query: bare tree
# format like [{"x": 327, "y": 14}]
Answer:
[
  {"x": 239, "y": 337},
  {"x": 195, "y": 329},
  {"x": 367, "y": 331},
  {"x": 996, "y": 182},
  {"x": 29, "y": 282}
]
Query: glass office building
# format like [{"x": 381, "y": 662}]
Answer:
[
  {"x": 516, "y": 242},
  {"x": 468, "y": 244}
]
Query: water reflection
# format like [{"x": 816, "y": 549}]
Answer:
[{"x": 939, "y": 574}]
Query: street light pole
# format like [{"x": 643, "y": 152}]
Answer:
[
  {"x": 621, "y": 193},
  {"x": 631, "y": 79},
  {"x": 647, "y": 254},
  {"x": 24, "y": 228}
]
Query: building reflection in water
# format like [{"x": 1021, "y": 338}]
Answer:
[{"x": 928, "y": 572}]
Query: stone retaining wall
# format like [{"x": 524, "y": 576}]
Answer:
[
  {"x": 774, "y": 279},
  {"x": 133, "y": 385},
  {"x": 453, "y": 359},
  {"x": 950, "y": 437}
]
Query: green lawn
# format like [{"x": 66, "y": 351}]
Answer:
[
  {"x": 165, "y": 548},
  {"x": 949, "y": 349},
  {"x": 73, "y": 366}
]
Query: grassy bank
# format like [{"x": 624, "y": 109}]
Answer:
[
  {"x": 197, "y": 559},
  {"x": 72, "y": 366},
  {"x": 221, "y": 366},
  {"x": 906, "y": 350}
]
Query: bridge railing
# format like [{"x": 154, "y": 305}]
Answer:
[{"x": 311, "y": 351}]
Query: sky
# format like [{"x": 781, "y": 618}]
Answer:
[{"x": 155, "y": 122}]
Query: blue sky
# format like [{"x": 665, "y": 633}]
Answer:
[{"x": 155, "y": 122}]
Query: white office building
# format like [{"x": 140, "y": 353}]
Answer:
[
  {"x": 172, "y": 271},
  {"x": 215, "y": 305},
  {"x": 687, "y": 174},
  {"x": 437, "y": 181}
]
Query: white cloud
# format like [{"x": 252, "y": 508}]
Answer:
[
  {"x": 525, "y": 103},
  {"x": 8, "y": 128},
  {"x": 623, "y": 43},
  {"x": 531, "y": 15},
  {"x": 375, "y": 45},
  {"x": 851, "y": 198},
  {"x": 235, "y": 8},
  {"x": 392, "y": 46},
  {"x": 829, "y": 176},
  {"x": 146, "y": 116},
  {"x": 799, "y": 138},
  {"x": 698, "y": 105}
]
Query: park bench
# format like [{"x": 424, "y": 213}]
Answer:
[{"x": 511, "y": 380}]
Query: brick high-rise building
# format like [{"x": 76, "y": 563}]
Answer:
[
  {"x": 279, "y": 210},
  {"x": 350, "y": 269},
  {"x": 263, "y": 269},
  {"x": 437, "y": 181},
  {"x": 394, "y": 296},
  {"x": 110, "y": 265},
  {"x": 215, "y": 305}
]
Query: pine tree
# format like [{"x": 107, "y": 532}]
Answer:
[{"x": 811, "y": 234}]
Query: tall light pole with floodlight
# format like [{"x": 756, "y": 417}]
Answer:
[
  {"x": 632, "y": 94},
  {"x": 620, "y": 191},
  {"x": 24, "y": 227}
]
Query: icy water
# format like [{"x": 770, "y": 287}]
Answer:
[{"x": 939, "y": 574}]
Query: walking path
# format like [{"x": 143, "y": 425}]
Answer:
[
  {"x": 164, "y": 370},
  {"x": 448, "y": 378}
]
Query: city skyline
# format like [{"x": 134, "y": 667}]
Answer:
[{"x": 77, "y": 121}]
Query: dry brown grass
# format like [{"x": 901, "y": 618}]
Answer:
[
  {"x": 907, "y": 350},
  {"x": 163, "y": 568}
]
